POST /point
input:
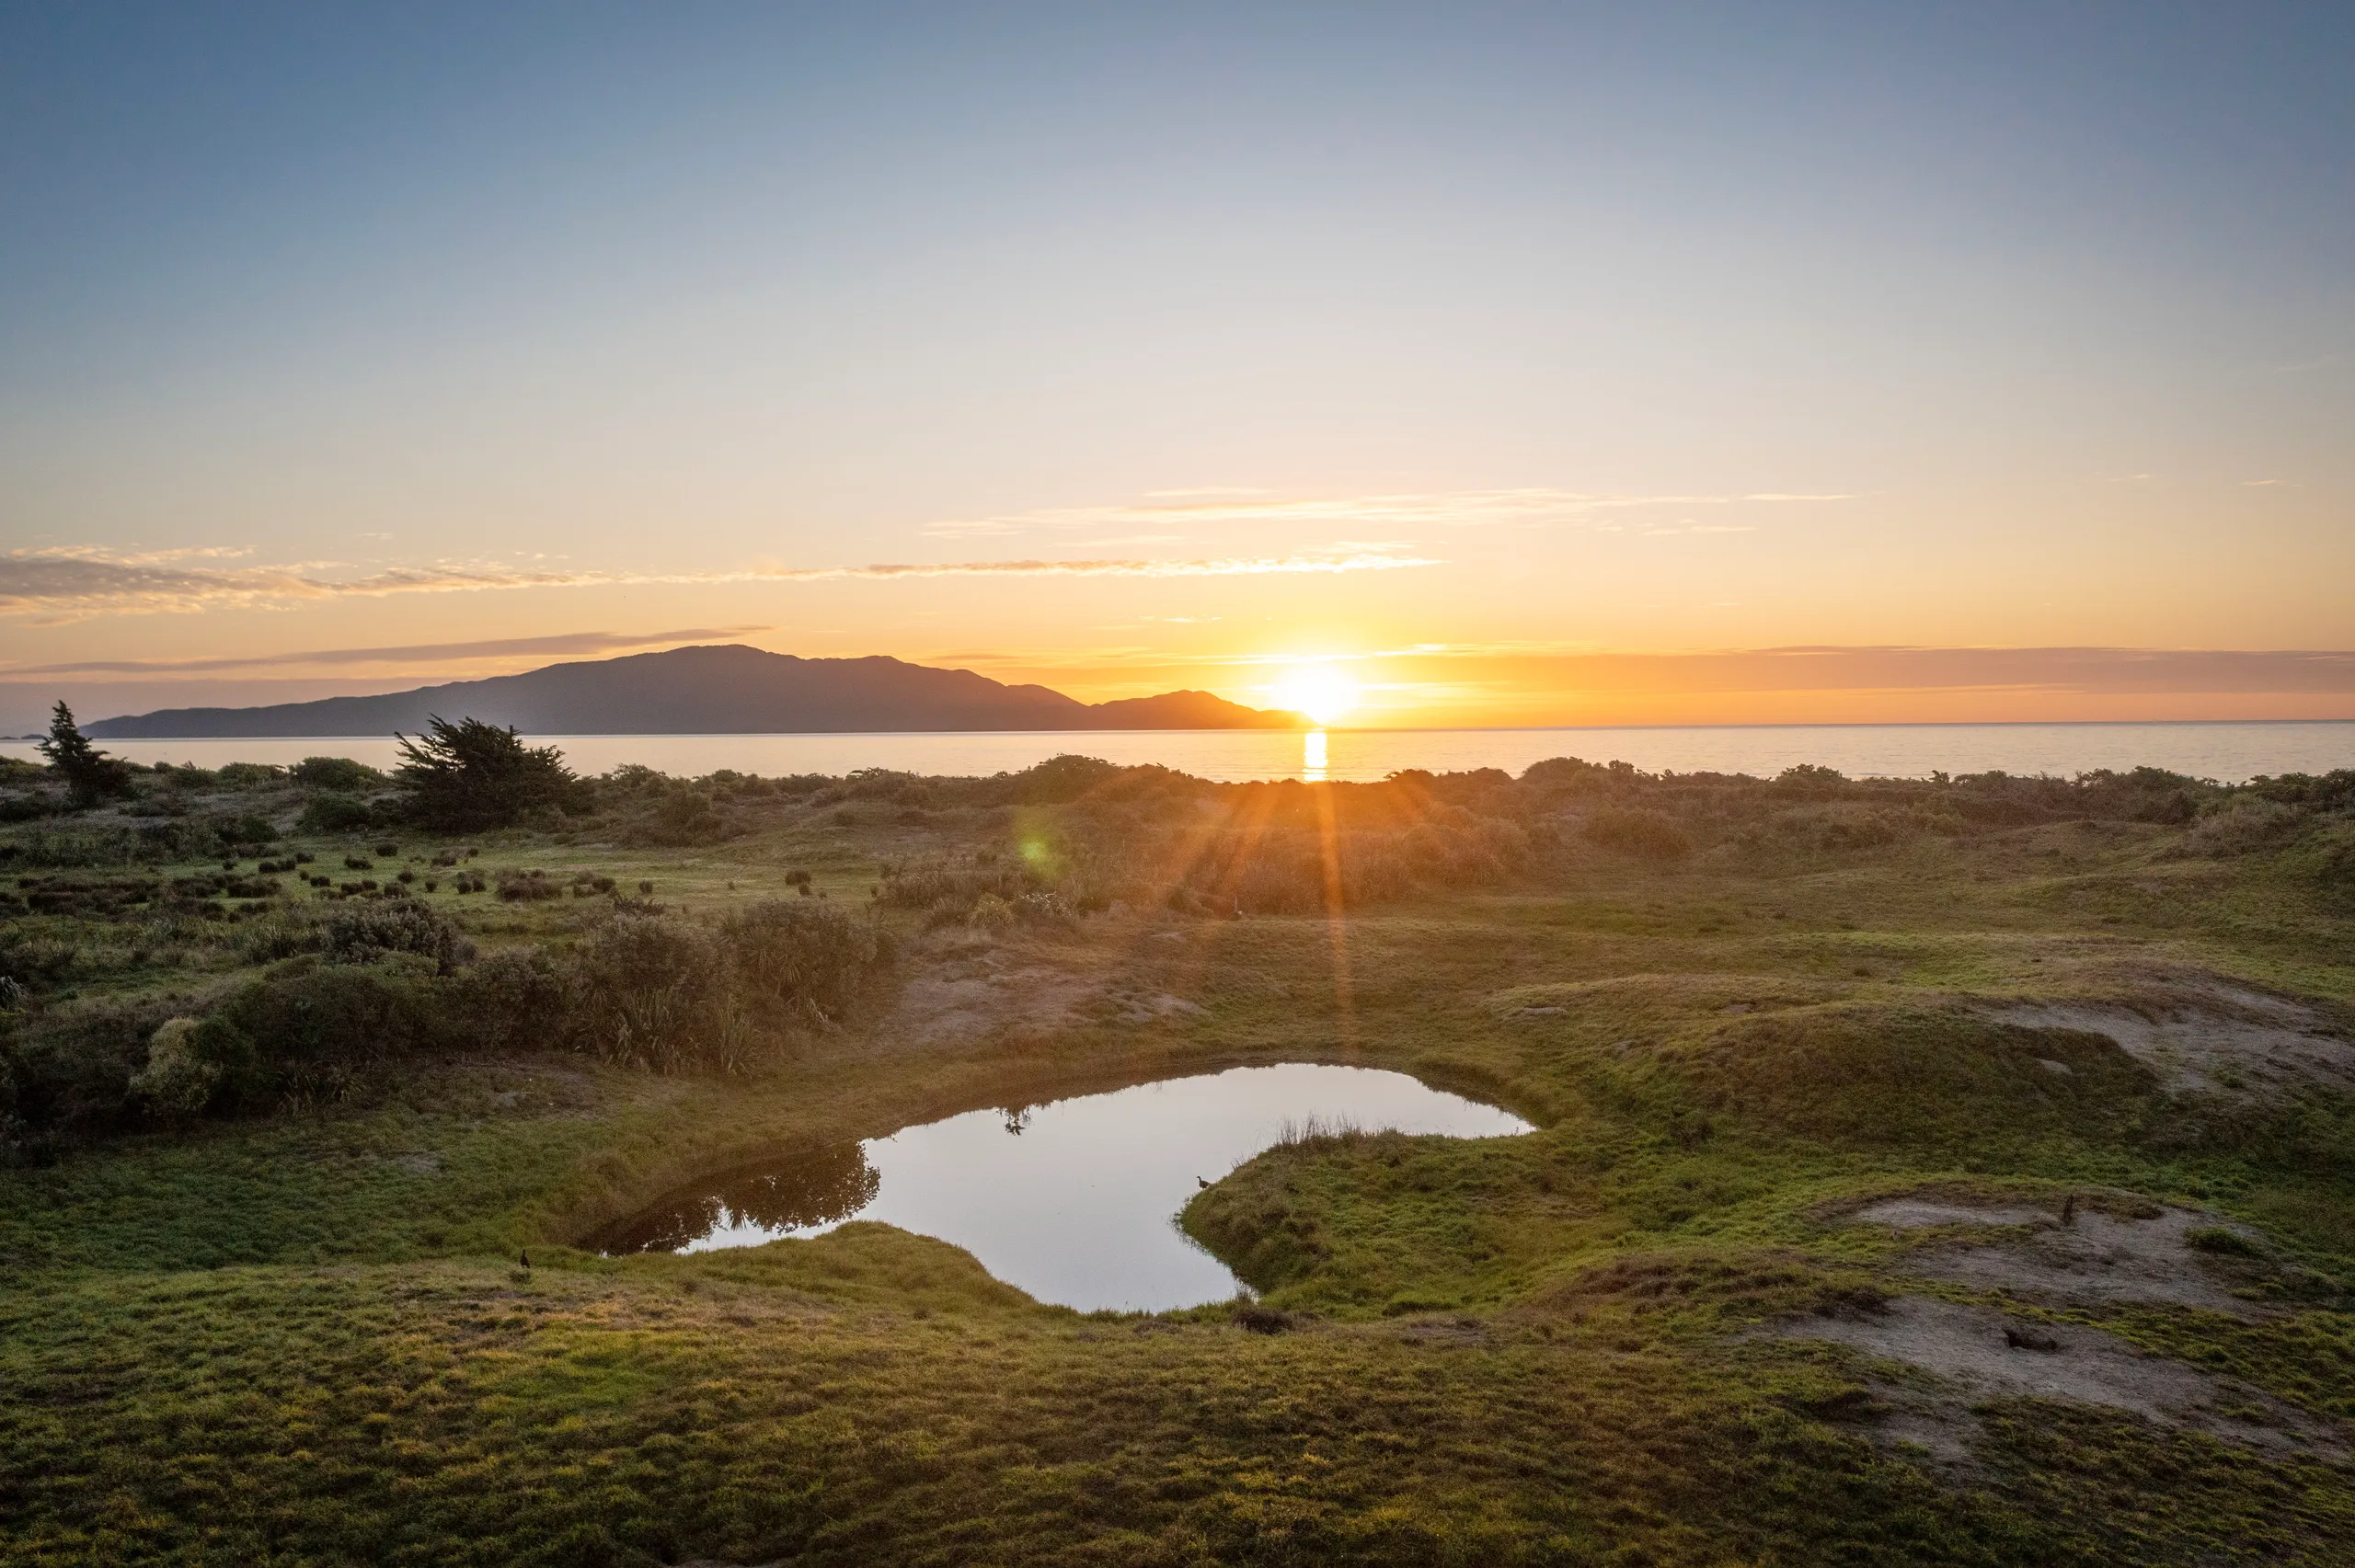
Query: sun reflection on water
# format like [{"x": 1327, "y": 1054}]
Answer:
[{"x": 1312, "y": 756}]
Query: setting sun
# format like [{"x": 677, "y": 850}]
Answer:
[{"x": 1322, "y": 693}]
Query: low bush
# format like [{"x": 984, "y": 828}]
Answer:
[
  {"x": 328, "y": 813},
  {"x": 310, "y": 1035},
  {"x": 178, "y": 1081},
  {"x": 518, "y": 886},
  {"x": 681, "y": 819},
  {"x": 2241, "y": 825},
  {"x": 339, "y": 775},
  {"x": 244, "y": 776},
  {"x": 1648, "y": 835},
  {"x": 649, "y": 991},
  {"x": 805, "y": 961},
  {"x": 514, "y": 1000},
  {"x": 68, "y": 1071},
  {"x": 364, "y": 934}
]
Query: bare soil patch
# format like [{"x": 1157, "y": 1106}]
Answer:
[
  {"x": 2100, "y": 1255},
  {"x": 1975, "y": 1355},
  {"x": 970, "y": 995},
  {"x": 2206, "y": 1035},
  {"x": 1919, "y": 1213}
]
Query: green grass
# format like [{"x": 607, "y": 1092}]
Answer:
[{"x": 308, "y": 1338}]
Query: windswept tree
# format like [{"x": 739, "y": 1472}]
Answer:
[
  {"x": 90, "y": 774},
  {"x": 473, "y": 774}
]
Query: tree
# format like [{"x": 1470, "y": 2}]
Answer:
[
  {"x": 90, "y": 774},
  {"x": 472, "y": 774}
]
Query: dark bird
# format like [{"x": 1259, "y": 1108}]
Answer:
[
  {"x": 1199, "y": 1182},
  {"x": 526, "y": 1258}
]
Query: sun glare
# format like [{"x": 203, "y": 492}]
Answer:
[{"x": 1319, "y": 691}]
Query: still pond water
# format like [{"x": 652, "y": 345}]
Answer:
[
  {"x": 1075, "y": 1202},
  {"x": 2231, "y": 752}
]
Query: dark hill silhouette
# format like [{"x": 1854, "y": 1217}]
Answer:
[{"x": 731, "y": 690}]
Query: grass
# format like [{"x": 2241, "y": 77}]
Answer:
[{"x": 310, "y": 1337}]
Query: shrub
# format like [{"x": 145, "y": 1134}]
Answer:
[
  {"x": 2241, "y": 827},
  {"x": 807, "y": 961},
  {"x": 651, "y": 992},
  {"x": 1059, "y": 779},
  {"x": 249, "y": 775},
  {"x": 524, "y": 886},
  {"x": 335, "y": 814},
  {"x": 1648, "y": 835},
  {"x": 339, "y": 775},
  {"x": 178, "y": 1081},
  {"x": 516, "y": 999},
  {"x": 685, "y": 818},
  {"x": 364, "y": 934},
  {"x": 312, "y": 1033},
  {"x": 69, "y": 1070}
]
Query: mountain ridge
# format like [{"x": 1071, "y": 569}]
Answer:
[{"x": 707, "y": 688}]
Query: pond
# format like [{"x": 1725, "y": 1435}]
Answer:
[{"x": 1076, "y": 1201}]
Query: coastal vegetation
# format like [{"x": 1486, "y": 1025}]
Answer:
[{"x": 1947, "y": 1171}]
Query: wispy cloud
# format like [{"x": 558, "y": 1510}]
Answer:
[
  {"x": 1226, "y": 566},
  {"x": 1461, "y": 508},
  {"x": 72, "y": 583},
  {"x": 420, "y": 653}
]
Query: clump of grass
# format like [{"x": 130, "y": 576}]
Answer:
[
  {"x": 2221, "y": 1242},
  {"x": 1316, "y": 1129}
]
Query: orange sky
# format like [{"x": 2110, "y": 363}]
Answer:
[{"x": 1522, "y": 367}]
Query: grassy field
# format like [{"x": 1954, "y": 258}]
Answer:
[{"x": 1910, "y": 1185}]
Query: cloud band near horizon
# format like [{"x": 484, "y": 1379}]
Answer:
[{"x": 74, "y": 583}]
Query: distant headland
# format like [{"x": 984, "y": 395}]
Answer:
[{"x": 723, "y": 689}]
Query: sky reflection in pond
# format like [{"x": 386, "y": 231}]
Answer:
[{"x": 1076, "y": 1201}]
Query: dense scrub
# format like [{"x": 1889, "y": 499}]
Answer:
[
  {"x": 355, "y": 991},
  {"x": 153, "y": 897}
]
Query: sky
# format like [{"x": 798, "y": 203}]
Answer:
[{"x": 1493, "y": 364}]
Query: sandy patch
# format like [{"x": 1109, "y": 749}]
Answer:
[
  {"x": 966, "y": 994},
  {"x": 2230, "y": 1040},
  {"x": 1915, "y": 1214},
  {"x": 2097, "y": 1256},
  {"x": 1974, "y": 1354},
  {"x": 967, "y": 989}
]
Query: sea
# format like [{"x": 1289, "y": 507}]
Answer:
[{"x": 2229, "y": 752}]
